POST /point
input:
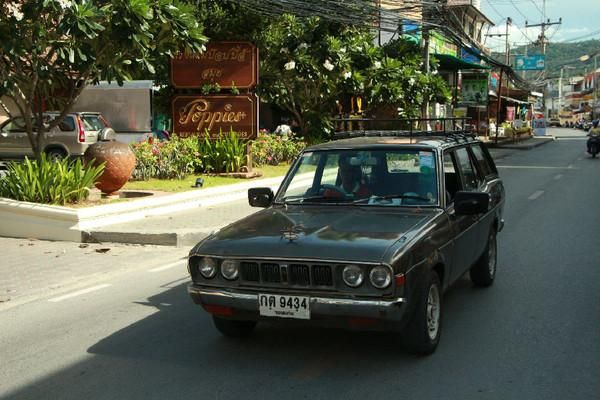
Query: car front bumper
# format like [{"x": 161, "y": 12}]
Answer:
[{"x": 245, "y": 305}]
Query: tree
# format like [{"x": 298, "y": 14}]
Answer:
[
  {"x": 309, "y": 63},
  {"x": 52, "y": 49}
]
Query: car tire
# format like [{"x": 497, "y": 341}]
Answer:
[
  {"x": 483, "y": 272},
  {"x": 234, "y": 328},
  {"x": 422, "y": 335},
  {"x": 55, "y": 154}
]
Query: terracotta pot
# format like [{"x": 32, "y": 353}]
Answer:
[{"x": 120, "y": 162}]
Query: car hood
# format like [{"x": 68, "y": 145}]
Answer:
[{"x": 312, "y": 232}]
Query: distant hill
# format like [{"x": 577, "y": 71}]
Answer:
[{"x": 558, "y": 54}]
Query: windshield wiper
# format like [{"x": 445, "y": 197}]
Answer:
[
  {"x": 392, "y": 196},
  {"x": 300, "y": 199}
]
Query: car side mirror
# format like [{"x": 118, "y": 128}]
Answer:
[
  {"x": 260, "y": 197},
  {"x": 471, "y": 203},
  {"x": 107, "y": 135}
]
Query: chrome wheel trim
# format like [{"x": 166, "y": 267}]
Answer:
[
  {"x": 492, "y": 255},
  {"x": 433, "y": 312}
]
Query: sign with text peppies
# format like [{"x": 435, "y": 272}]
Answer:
[
  {"x": 197, "y": 115},
  {"x": 227, "y": 64}
]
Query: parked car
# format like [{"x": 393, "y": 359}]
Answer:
[
  {"x": 364, "y": 233},
  {"x": 554, "y": 122},
  {"x": 70, "y": 138}
]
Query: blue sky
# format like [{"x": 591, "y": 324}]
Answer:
[{"x": 579, "y": 18}]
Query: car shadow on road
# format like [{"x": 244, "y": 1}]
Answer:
[{"x": 177, "y": 352}]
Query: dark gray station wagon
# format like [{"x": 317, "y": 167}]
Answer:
[{"x": 365, "y": 233}]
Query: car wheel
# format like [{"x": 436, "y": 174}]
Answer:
[
  {"x": 424, "y": 330},
  {"x": 234, "y": 328},
  {"x": 483, "y": 271},
  {"x": 55, "y": 154}
]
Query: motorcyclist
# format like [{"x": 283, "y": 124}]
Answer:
[{"x": 594, "y": 134}]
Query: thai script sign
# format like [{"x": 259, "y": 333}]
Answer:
[
  {"x": 213, "y": 114},
  {"x": 227, "y": 64},
  {"x": 530, "y": 63}
]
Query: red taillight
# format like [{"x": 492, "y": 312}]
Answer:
[
  {"x": 81, "y": 137},
  {"x": 218, "y": 310}
]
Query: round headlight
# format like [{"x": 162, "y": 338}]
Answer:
[
  {"x": 229, "y": 270},
  {"x": 353, "y": 275},
  {"x": 380, "y": 277},
  {"x": 207, "y": 267}
]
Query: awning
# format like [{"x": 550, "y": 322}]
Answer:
[
  {"x": 451, "y": 63},
  {"x": 515, "y": 100}
]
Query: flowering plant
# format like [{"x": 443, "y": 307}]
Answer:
[{"x": 271, "y": 149}]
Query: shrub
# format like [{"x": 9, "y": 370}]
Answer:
[
  {"x": 270, "y": 149},
  {"x": 49, "y": 182},
  {"x": 179, "y": 157},
  {"x": 174, "y": 159},
  {"x": 227, "y": 153}
]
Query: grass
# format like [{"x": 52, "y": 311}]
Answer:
[{"x": 175, "y": 185}]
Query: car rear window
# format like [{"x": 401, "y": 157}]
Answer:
[{"x": 92, "y": 123}]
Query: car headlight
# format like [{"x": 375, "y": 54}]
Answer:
[
  {"x": 380, "y": 277},
  {"x": 207, "y": 267},
  {"x": 353, "y": 275},
  {"x": 229, "y": 270}
]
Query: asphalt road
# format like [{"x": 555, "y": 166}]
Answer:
[{"x": 535, "y": 334}]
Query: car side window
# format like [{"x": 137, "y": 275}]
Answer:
[
  {"x": 470, "y": 180},
  {"x": 451, "y": 178},
  {"x": 15, "y": 125},
  {"x": 67, "y": 124},
  {"x": 482, "y": 162}
]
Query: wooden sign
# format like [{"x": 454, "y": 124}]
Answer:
[
  {"x": 228, "y": 64},
  {"x": 197, "y": 115}
]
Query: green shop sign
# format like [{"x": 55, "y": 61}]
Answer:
[{"x": 438, "y": 44}]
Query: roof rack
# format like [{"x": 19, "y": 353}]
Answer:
[{"x": 451, "y": 129}]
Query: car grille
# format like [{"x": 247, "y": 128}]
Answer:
[{"x": 283, "y": 274}]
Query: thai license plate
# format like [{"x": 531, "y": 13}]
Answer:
[{"x": 275, "y": 305}]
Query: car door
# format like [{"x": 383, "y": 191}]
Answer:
[{"x": 460, "y": 175}]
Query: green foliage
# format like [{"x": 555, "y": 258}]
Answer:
[
  {"x": 271, "y": 149},
  {"x": 227, "y": 153},
  {"x": 174, "y": 159},
  {"x": 179, "y": 157},
  {"x": 49, "y": 182},
  {"x": 51, "y": 49},
  {"x": 309, "y": 63}
]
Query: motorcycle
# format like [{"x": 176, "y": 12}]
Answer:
[{"x": 593, "y": 144}]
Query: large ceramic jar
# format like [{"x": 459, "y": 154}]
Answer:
[{"x": 120, "y": 162}]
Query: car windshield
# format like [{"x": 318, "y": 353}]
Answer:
[{"x": 394, "y": 177}]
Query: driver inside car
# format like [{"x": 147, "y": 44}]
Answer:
[{"x": 351, "y": 183}]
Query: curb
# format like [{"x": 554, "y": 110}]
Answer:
[
  {"x": 516, "y": 146},
  {"x": 172, "y": 239}
]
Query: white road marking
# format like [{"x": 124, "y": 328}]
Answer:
[
  {"x": 532, "y": 167},
  {"x": 557, "y": 177},
  {"x": 79, "y": 293},
  {"x": 169, "y": 266},
  {"x": 536, "y": 195}
]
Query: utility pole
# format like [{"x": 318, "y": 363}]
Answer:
[
  {"x": 506, "y": 36},
  {"x": 543, "y": 25},
  {"x": 426, "y": 70}
]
